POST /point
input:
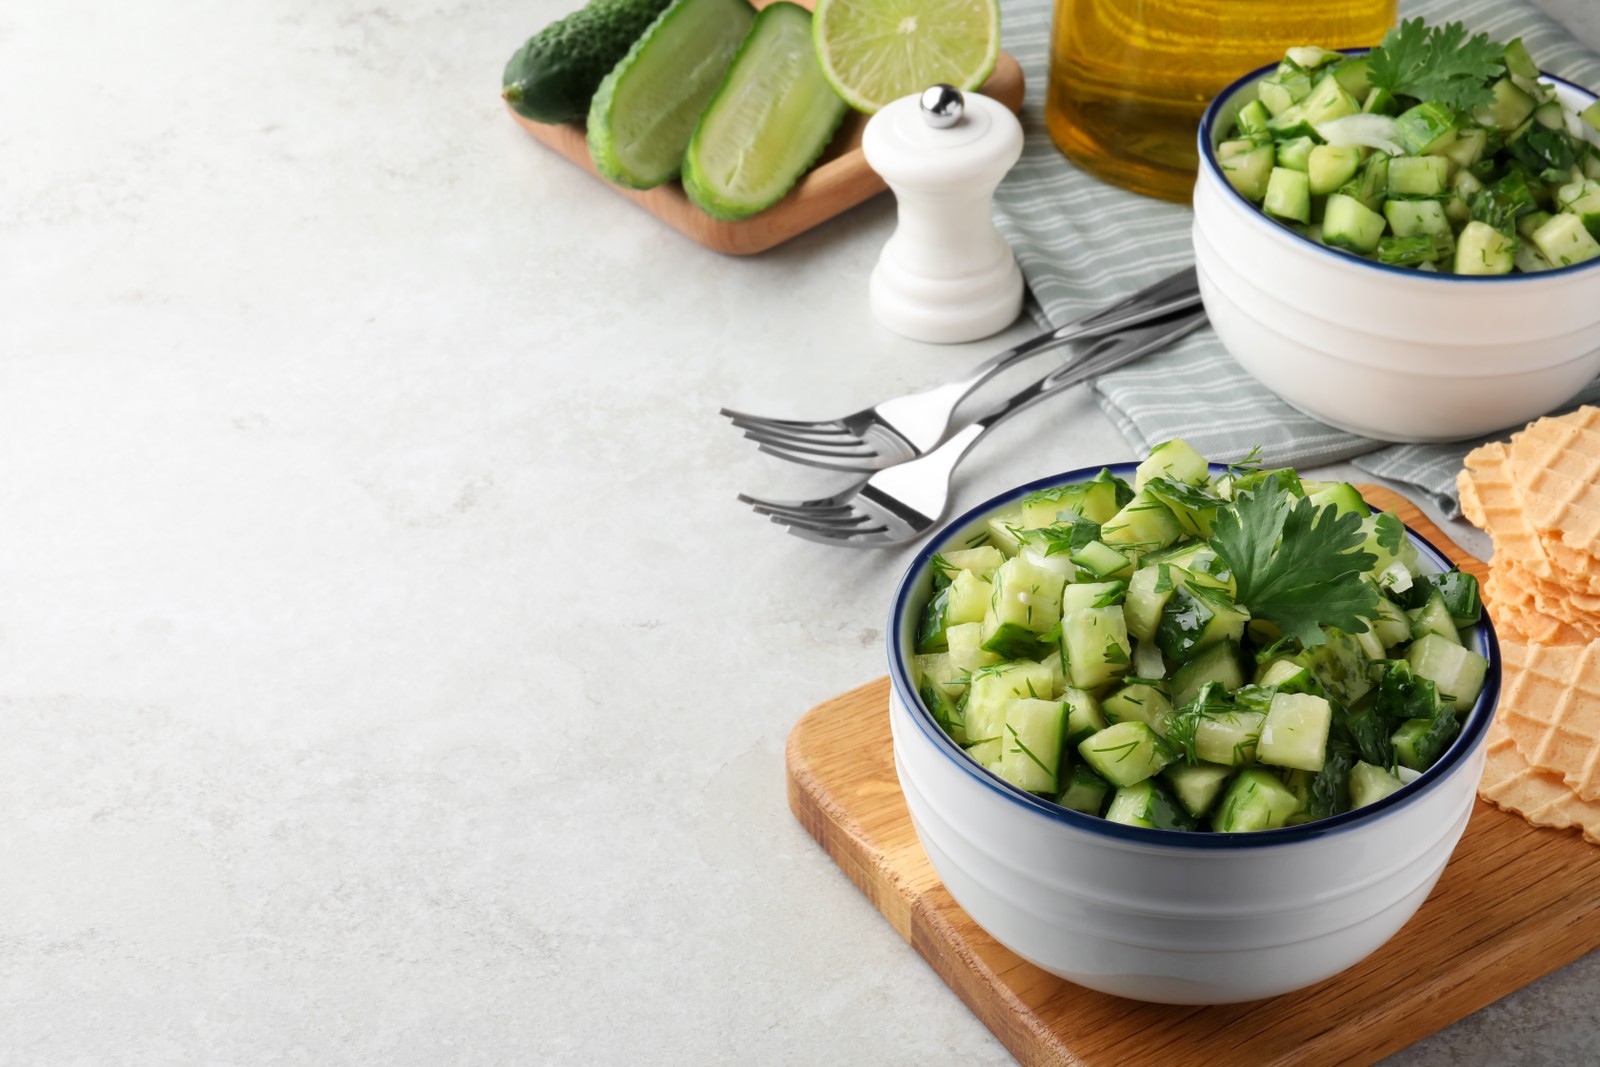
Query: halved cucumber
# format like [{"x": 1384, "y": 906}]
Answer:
[
  {"x": 771, "y": 119},
  {"x": 644, "y": 112}
]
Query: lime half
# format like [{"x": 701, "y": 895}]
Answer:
[{"x": 876, "y": 51}]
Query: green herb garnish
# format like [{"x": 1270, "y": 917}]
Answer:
[{"x": 1437, "y": 63}]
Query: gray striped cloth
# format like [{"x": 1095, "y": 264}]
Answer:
[{"x": 1058, "y": 219}]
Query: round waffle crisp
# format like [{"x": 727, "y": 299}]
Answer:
[
  {"x": 1511, "y": 783},
  {"x": 1550, "y": 706},
  {"x": 1538, "y": 497}
]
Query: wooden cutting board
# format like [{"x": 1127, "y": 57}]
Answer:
[
  {"x": 1514, "y": 903},
  {"x": 839, "y": 181}
]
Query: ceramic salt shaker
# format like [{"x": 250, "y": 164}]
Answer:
[{"x": 946, "y": 275}]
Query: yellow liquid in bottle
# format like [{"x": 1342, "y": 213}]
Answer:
[{"x": 1129, "y": 79}]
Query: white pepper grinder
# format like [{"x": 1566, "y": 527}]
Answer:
[{"x": 946, "y": 275}]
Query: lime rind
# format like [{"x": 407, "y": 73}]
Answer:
[{"x": 876, "y": 51}]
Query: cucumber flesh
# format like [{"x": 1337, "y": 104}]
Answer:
[
  {"x": 770, "y": 120},
  {"x": 645, "y": 110}
]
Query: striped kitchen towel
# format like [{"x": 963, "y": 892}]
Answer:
[{"x": 1082, "y": 244}]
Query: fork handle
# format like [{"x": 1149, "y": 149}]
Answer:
[
  {"x": 1173, "y": 293},
  {"x": 1106, "y": 355}
]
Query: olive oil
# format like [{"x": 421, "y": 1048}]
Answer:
[{"x": 1129, "y": 79}]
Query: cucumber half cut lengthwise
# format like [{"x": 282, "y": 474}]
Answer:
[
  {"x": 772, "y": 117},
  {"x": 645, "y": 110}
]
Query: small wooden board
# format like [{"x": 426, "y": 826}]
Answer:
[
  {"x": 839, "y": 181},
  {"x": 1514, "y": 903}
]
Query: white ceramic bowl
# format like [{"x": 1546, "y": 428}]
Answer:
[
  {"x": 1386, "y": 352},
  {"x": 1164, "y": 915}
]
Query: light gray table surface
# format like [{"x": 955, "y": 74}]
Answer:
[{"x": 387, "y": 672}]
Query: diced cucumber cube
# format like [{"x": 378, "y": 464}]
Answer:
[
  {"x": 1288, "y": 676},
  {"x": 1219, "y": 663},
  {"x": 1295, "y": 731},
  {"x": 937, "y": 669},
  {"x": 1329, "y": 100},
  {"x": 1197, "y": 785},
  {"x": 1252, "y": 119},
  {"x": 1031, "y": 747},
  {"x": 1530, "y": 260},
  {"x": 1418, "y": 743},
  {"x": 1085, "y": 791},
  {"x": 1147, "y": 804},
  {"x": 1340, "y": 664},
  {"x": 1280, "y": 94},
  {"x": 1238, "y": 146},
  {"x": 1551, "y": 115},
  {"x": 1082, "y": 595},
  {"x": 1530, "y": 222},
  {"x": 1147, "y": 659},
  {"x": 1310, "y": 57},
  {"x": 1027, "y": 595},
  {"x": 1564, "y": 241},
  {"x": 1518, "y": 61},
  {"x": 1228, "y": 737},
  {"x": 1510, "y": 109},
  {"x": 1482, "y": 249},
  {"x": 1095, "y": 500},
  {"x": 1392, "y": 626},
  {"x": 1583, "y": 200},
  {"x": 969, "y": 599},
  {"x": 1083, "y": 716},
  {"x": 966, "y": 647},
  {"x": 1256, "y": 800},
  {"x": 1002, "y": 529},
  {"x": 1418, "y": 176},
  {"x": 1369, "y": 784},
  {"x": 1407, "y": 251},
  {"x": 1094, "y": 644},
  {"x": 945, "y": 709},
  {"x": 1295, "y": 153},
  {"x": 1125, "y": 752},
  {"x": 1148, "y": 592},
  {"x": 1330, "y": 166},
  {"x": 1100, "y": 560},
  {"x": 1434, "y": 618},
  {"x": 1428, "y": 126},
  {"x": 1349, "y": 224},
  {"x": 1457, "y": 672},
  {"x": 982, "y": 561},
  {"x": 1591, "y": 115},
  {"x": 1288, "y": 195},
  {"x": 1174, "y": 460},
  {"x": 1411, "y": 218},
  {"x": 1353, "y": 74},
  {"x": 1372, "y": 184},
  {"x": 1196, "y": 618},
  {"x": 1139, "y": 702},
  {"x": 1468, "y": 147},
  {"x": 1011, "y": 641},
  {"x": 1144, "y": 522},
  {"x": 1380, "y": 102},
  {"x": 1248, "y": 172}
]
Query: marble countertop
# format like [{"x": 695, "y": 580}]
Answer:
[{"x": 387, "y": 671}]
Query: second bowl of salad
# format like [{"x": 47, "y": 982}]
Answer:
[{"x": 1406, "y": 267}]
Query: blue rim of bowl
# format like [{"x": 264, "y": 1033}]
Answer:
[
  {"x": 1476, "y": 723},
  {"x": 1208, "y": 160}
]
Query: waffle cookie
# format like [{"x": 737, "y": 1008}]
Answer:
[{"x": 1514, "y": 785}]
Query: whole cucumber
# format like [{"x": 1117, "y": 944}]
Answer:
[{"x": 553, "y": 77}]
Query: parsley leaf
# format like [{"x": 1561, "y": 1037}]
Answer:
[
  {"x": 1437, "y": 63},
  {"x": 1391, "y": 532},
  {"x": 1296, "y": 565}
]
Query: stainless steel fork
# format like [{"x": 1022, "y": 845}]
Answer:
[
  {"x": 903, "y": 502},
  {"x": 906, "y": 427}
]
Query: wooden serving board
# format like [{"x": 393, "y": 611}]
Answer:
[
  {"x": 1514, "y": 903},
  {"x": 839, "y": 181}
]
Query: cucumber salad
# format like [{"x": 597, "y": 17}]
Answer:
[
  {"x": 1434, "y": 150},
  {"x": 1233, "y": 651}
]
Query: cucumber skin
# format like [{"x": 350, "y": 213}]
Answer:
[
  {"x": 601, "y": 152},
  {"x": 706, "y": 198},
  {"x": 554, "y": 75}
]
